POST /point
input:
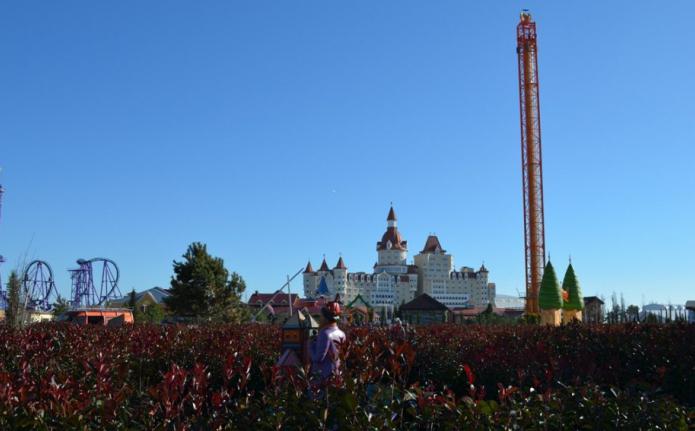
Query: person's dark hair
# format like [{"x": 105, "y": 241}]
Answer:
[{"x": 328, "y": 315}]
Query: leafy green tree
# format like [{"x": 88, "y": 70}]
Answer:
[
  {"x": 12, "y": 315},
  {"x": 153, "y": 313},
  {"x": 550, "y": 296},
  {"x": 60, "y": 306},
  {"x": 203, "y": 289},
  {"x": 570, "y": 284}
]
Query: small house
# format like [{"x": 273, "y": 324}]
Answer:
[
  {"x": 424, "y": 310},
  {"x": 593, "y": 310}
]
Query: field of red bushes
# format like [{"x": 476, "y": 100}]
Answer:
[{"x": 56, "y": 376}]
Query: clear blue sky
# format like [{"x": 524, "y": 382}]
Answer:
[{"x": 279, "y": 131}]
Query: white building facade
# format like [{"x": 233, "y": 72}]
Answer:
[{"x": 394, "y": 282}]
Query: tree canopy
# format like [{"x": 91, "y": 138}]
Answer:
[
  {"x": 203, "y": 289},
  {"x": 60, "y": 306},
  {"x": 571, "y": 285},
  {"x": 550, "y": 295}
]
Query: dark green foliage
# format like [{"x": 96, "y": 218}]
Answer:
[
  {"x": 203, "y": 289},
  {"x": 489, "y": 317},
  {"x": 153, "y": 313},
  {"x": 550, "y": 296},
  {"x": 632, "y": 313},
  {"x": 530, "y": 319},
  {"x": 60, "y": 306},
  {"x": 570, "y": 284},
  {"x": 132, "y": 300},
  {"x": 12, "y": 313}
]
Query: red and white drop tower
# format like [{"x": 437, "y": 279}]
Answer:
[{"x": 531, "y": 159}]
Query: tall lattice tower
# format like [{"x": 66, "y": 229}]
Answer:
[{"x": 531, "y": 159}]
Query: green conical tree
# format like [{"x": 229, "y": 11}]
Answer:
[
  {"x": 571, "y": 285},
  {"x": 550, "y": 296}
]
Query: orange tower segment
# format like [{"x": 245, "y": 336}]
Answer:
[{"x": 531, "y": 159}]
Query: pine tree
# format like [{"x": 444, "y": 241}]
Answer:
[
  {"x": 571, "y": 285},
  {"x": 12, "y": 315},
  {"x": 204, "y": 290},
  {"x": 132, "y": 300},
  {"x": 550, "y": 296}
]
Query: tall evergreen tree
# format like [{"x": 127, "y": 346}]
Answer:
[
  {"x": 202, "y": 288},
  {"x": 132, "y": 300},
  {"x": 12, "y": 314},
  {"x": 571, "y": 285},
  {"x": 550, "y": 296}
]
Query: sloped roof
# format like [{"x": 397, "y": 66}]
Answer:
[
  {"x": 264, "y": 298},
  {"x": 592, "y": 299},
  {"x": 340, "y": 264},
  {"x": 324, "y": 266},
  {"x": 392, "y": 215},
  {"x": 308, "y": 269},
  {"x": 432, "y": 245},
  {"x": 424, "y": 302},
  {"x": 690, "y": 305},
  {"x": 393, "y": 236},
  {"x": 355, "y": 303},
  {"x": 157, "y": 293}
]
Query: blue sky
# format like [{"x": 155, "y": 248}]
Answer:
[{"x": 279, "y": 131}]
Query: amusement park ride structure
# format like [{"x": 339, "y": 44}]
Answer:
[
  {"x": 84, "y": 292},
  {"x": 531, "y": 159},
  {"x": 38, "y": 288}
]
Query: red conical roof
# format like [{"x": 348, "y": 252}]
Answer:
[
  {"x": 392, "y": 215},
  {"x": 340, "y": 264},
  {"x": 324, "y": 265},
  {"x": 308, "y": 268}
]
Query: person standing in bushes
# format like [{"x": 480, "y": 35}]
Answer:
[
  {"x": 398, "y": 331},
  {"x": 325, "y": 349}
]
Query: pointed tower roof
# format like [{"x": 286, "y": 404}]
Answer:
[
  {"x": 392, "y": 237},
  {"x": 570, "y": 284},
  {"x": 482, "y": 268},
  {"x": 392, "y": 215},
  {"x": 340, "y": 264},
  {"x": 323, "y": 288},
  {"x": 550, "y": 295},
  {"x": 308, "y": 269},
  {"x": 324, "y": 266}
]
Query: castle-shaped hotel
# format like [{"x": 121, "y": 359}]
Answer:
[{"x": 394, "y": 282}]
